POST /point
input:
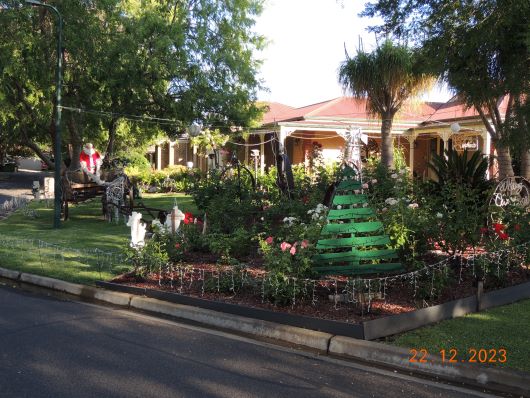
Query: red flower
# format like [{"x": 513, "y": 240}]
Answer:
[
  {"x": 188, "y": 218},
  {"x": 304, "y": 243},
  {"x": 517, "y": 227},
  {"x": 293, "y": 250},
  {"x": 498, "y": 227},
  {"x": 269, "y": 240},
  {"x": 503, "y": 236},
  {"x": 177, "y": 245},
  {"x": 484, "y": 230}
]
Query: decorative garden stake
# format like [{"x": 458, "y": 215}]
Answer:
[
  {"x": 173, "y": 221},
  {"x": 138, "y": 229}
]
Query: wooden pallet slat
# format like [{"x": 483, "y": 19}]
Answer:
[
  {"x": 346, "y": 200},
  {"x": 350, "y": 214},
  {"x": 348, "y": 185},
  {"x": 355, "y": 241},
  {"x": 352, "y": 228}
]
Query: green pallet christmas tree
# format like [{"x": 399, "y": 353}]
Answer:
[{"x": 353, "y": 241}]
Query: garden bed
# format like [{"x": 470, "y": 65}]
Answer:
[{"x": 322, "y": 304}]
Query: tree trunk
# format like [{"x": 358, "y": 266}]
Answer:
[
  {"x": 504, "y": 159},
  {"x": 525, "y": 164},
  {"x": 112, "y": 138},
  {"x": 76, "y": 141},
  {"x": 387, "y": 150},
  {"x": 35, "y": 148}
]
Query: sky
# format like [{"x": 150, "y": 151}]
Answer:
[{"x": 307, "y": 39}]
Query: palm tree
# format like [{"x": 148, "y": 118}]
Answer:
[{"x": 386, "y": 77}]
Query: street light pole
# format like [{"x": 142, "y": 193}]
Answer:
[{"x": 57, "y": 141}]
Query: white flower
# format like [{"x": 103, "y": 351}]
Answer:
[
  {"x": 374, "y": 181},
  {"x": 158, "y": 227},
  {"x": 310, "y": 211},
  {"x": 439, "y": 215},
  {"x": 391, "y": 201},
  {"x": 394, "y": 176},
  {"x": 365, "y": 204},
  {"x": 356, "y": 192},
  {"x": 384, "y": 209},
  {"x": 365, "y": 186},
  {"x": 413, "y": 205},
  {"x": 403, "y": 171},
  {"x": 289, "y": 220},
  {"x": 339, "y": 207}
]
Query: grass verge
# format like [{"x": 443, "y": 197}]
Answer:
[
  {"x": 85, "y": 249},
  {"x": 503, "y": 327}
]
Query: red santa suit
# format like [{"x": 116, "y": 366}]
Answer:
[{"x": 90, "y": 160}]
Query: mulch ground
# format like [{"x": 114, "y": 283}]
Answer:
[{"x": 398, "y": 297}]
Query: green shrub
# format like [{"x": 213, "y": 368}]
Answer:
[
  {"x": 136, "y": 162},
  {"x": 461, "y": 169},
  {"x": 237, "y": 245}
]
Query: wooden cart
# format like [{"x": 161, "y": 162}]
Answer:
[{"x": 117, "y": 195}]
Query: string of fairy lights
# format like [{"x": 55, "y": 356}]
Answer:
[{"x": 188, "y": 279}]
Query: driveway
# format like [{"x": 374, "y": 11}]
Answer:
[{"x": 19, "y": 183}]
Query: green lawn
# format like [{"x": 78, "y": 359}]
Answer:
[
  {"x": 505, "y": 327},
  {"x": 75, "y": 257}
]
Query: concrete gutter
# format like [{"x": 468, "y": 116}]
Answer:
[{"x": 486, "y": 377}]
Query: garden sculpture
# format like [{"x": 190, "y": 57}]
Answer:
[
  {"x": 353, "y": 242},
  {"x": 91, "y": 161},
  {"x": 175, "y": 218},
  {"x": 138, "y": 229},
  {"x": 246, "y": 182},
  {"x": 114, "y": 197},
  {"x": 35, "y": 190}
]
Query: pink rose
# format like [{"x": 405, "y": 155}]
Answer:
[
  {"x": 269, "y": 240},
  {"x": 293, "y": 250},
  {"x": 284, "y": 246},
  {"x": 304, "y": 243}
]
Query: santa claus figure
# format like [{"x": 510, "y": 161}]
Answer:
[{"x": 90, "y": 161}]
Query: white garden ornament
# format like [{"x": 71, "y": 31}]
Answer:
[
  {"x": 138, "y": 229},
  {"x": 174, "y": 219}
]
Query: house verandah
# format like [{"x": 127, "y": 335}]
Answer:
[{"x": 420, "y": 130}]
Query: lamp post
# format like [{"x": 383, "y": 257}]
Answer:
[{"x": 57, "y": 141}]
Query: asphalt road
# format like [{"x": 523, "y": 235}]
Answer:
[
  {"x": 18, "y": 184},
  {"x": 51, "y": 347}
]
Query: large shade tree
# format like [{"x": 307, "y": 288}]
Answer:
[
  {"x": 481, "y": 49},
  {"x": 190, "y": 60},
  {"x": 386, "y": 77}
]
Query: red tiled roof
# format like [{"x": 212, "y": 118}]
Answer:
[
  {"x": 455, "y": 109},
  {"x": 275, "y": 111},
  {"x": 341, "y": 108},
  {"x": 351, "y": 108}
]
